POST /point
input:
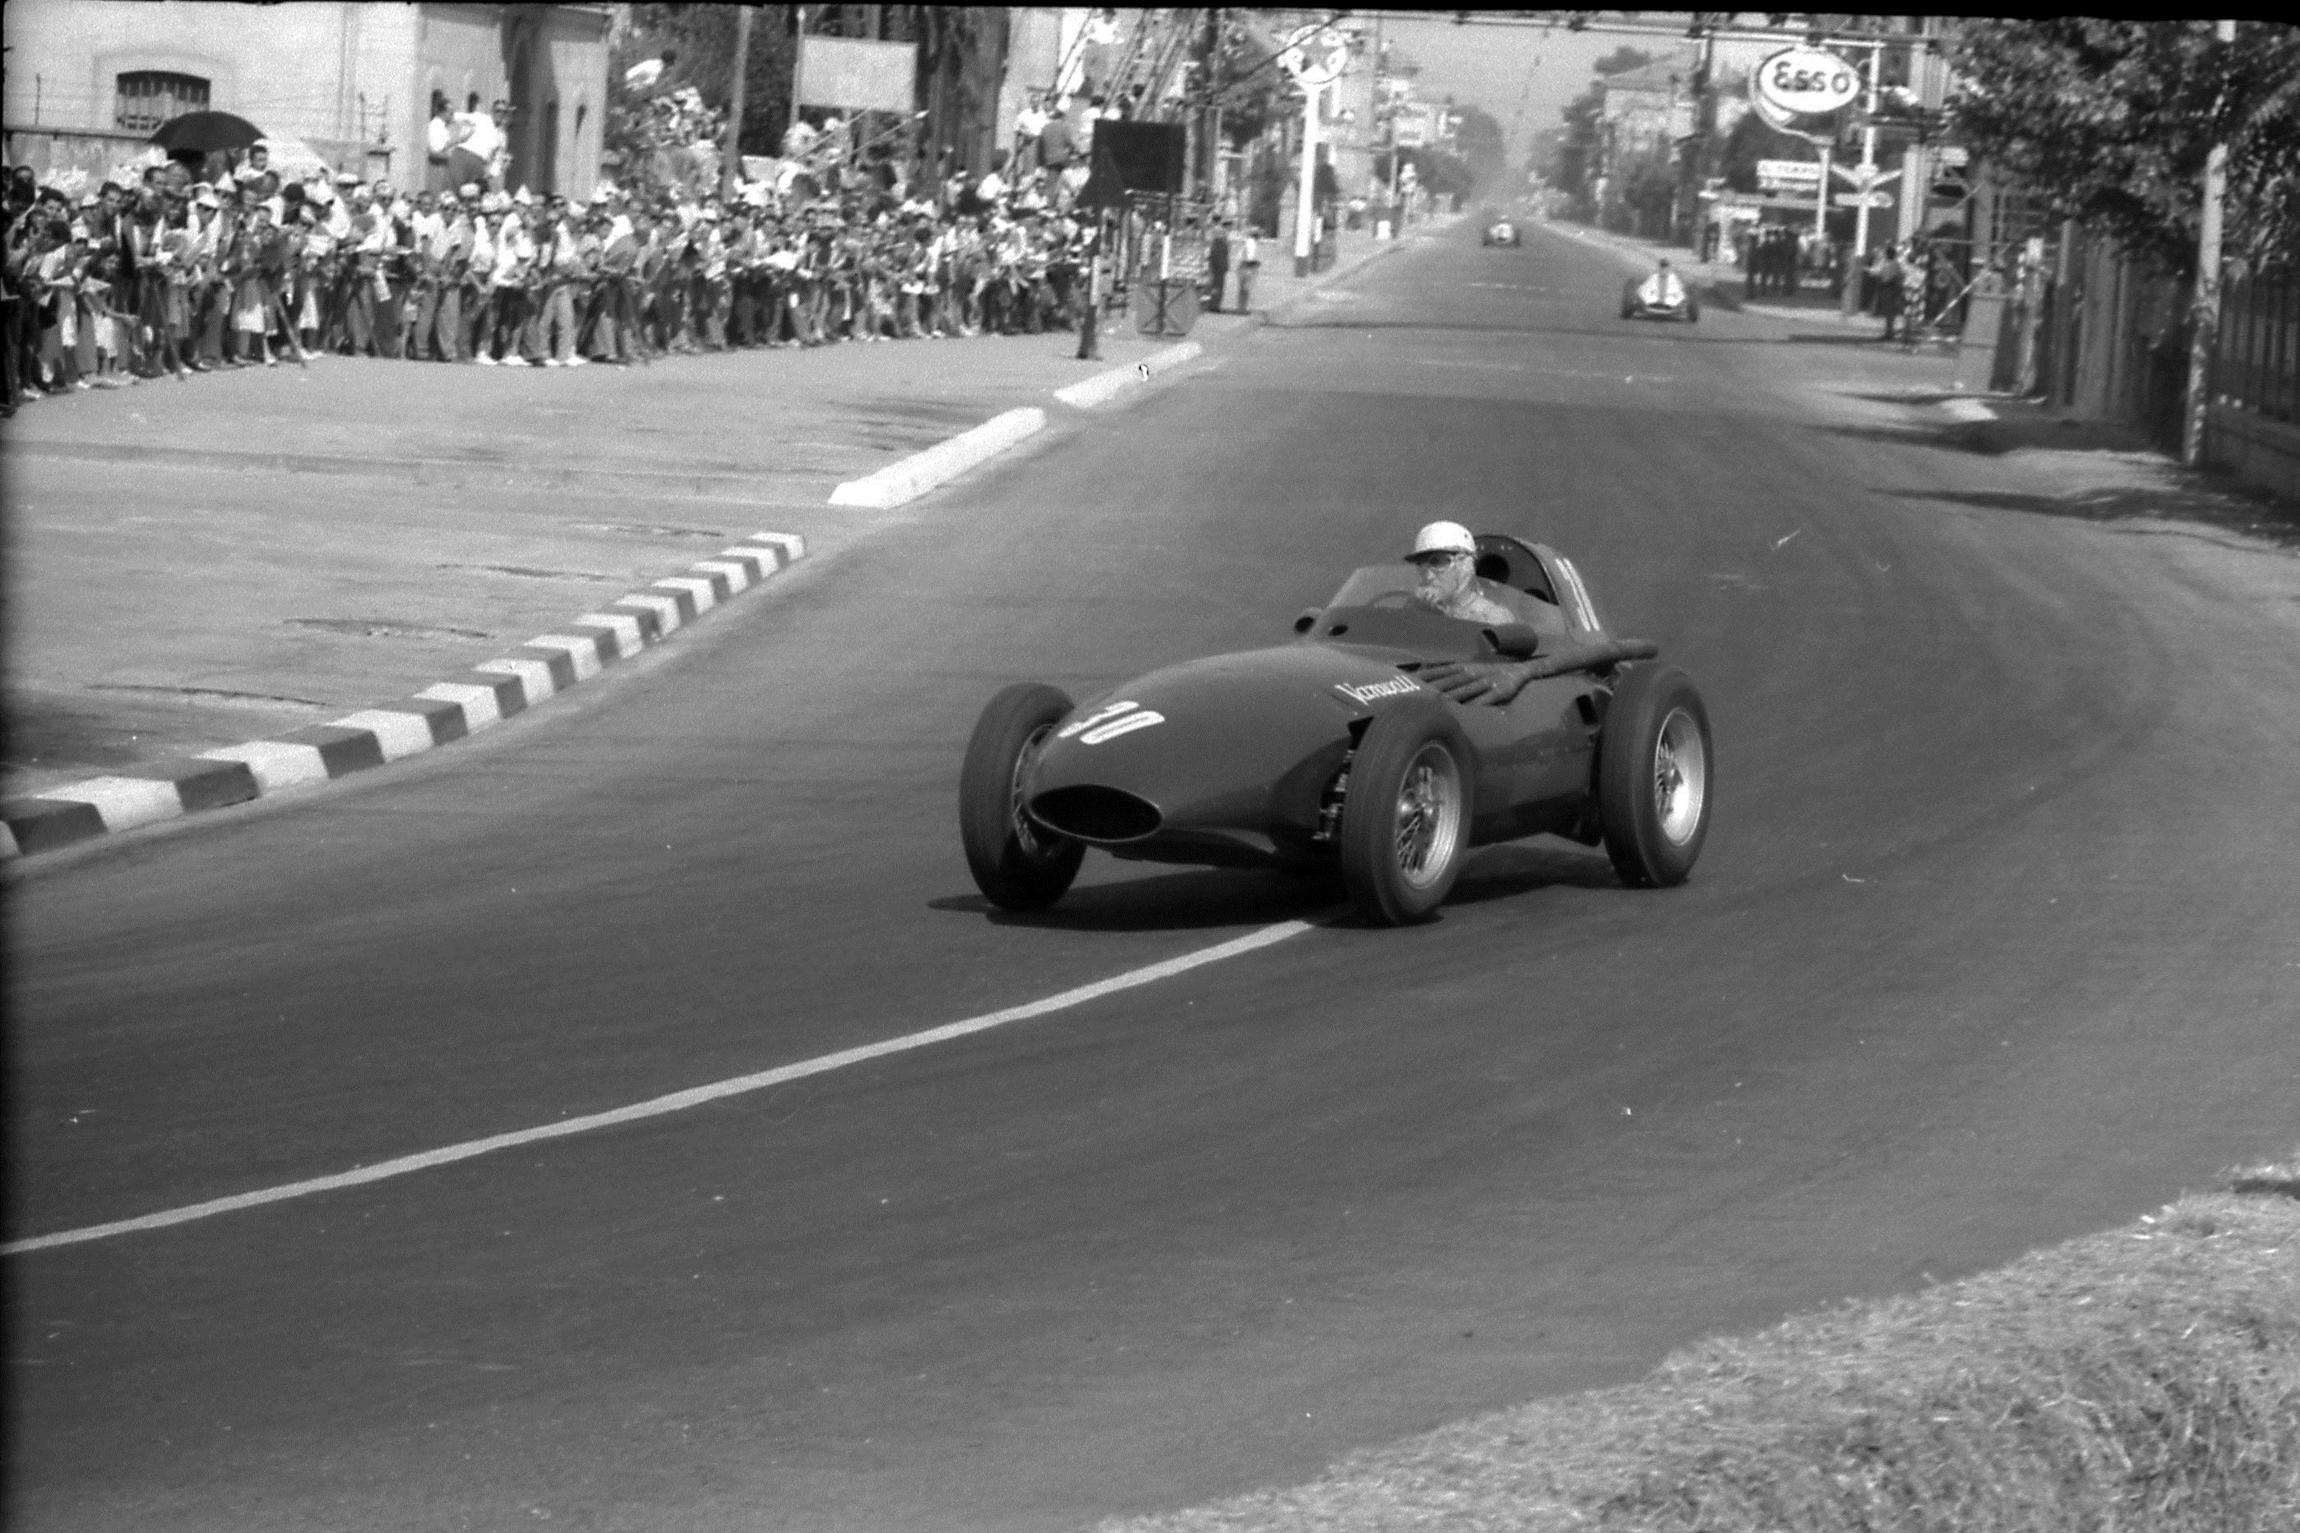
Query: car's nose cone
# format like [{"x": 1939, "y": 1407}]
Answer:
[{"x": 1207, "y": 742}]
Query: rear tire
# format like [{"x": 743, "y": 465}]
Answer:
[
  {"x": 1653, "y": 776},
  {"x": 1016, "y": 864},
  {"x": 1406, "y": 820}
]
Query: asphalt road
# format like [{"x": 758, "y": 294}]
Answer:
[{"x": 1991, "y": 944}]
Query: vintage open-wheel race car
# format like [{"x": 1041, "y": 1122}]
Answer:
[
  {"x": 1661, "y": 295},
  {"x": 1331, "y": 753}
]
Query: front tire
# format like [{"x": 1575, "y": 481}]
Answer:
[
  {"x": 1017, "y": 865},
  {"x": 1406, "y": 820},
  {"x": 1653, "y": 776}
]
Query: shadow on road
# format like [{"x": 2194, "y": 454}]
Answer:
[
  {"x": 1191, "y": 900},
  {"x": 2279, "y": 524},
  {"x": 1200, "y": 898},
  {"x": 1503, "y": 872},
  {"x": 1950, "y": 438}
]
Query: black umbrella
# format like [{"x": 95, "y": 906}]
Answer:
[{"x": 202, "y": 132}]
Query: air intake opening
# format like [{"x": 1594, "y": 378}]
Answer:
[{"x": 1091, "y": 813}]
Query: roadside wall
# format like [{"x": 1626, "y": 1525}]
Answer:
[{"x": 2106, "y": 338}]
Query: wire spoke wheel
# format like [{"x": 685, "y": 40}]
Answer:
[
  {"x": 1027, "y": 839},
  {"x": 1406, "y": 817},
  {"x": 1428, "y": 816},
  {"x": 1680, "y": 776},
  {"x": 1654, "y": 762}
]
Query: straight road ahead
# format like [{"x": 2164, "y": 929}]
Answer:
[{"x": 1992, "y": 944}]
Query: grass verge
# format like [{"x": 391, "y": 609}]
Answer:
[{"x": 2145, "y": 1378}]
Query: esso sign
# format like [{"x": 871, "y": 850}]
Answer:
[{"x": 1802, "y": 82}]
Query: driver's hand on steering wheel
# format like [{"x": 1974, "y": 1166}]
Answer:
[{"x": 1472, "y": 681}]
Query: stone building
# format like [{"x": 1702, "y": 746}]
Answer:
[{"x": 87, "y": 81}]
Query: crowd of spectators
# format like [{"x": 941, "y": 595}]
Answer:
[{"x": 155, "y": 272}]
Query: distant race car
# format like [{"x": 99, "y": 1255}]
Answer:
[
  {"x": 1329, "y": 754},
  {"x": 1502, "y": 232},
  {"x": 1662, "y": 295}
]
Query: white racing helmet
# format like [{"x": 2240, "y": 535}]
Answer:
[{"x": 1443, "y": 538}]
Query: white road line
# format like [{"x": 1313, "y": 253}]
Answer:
[{"x": 656, "y": 1107}]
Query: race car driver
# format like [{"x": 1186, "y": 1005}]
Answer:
[
  {"x": 1447, "y": 557},
  {"x": 1662, "y": 290}
]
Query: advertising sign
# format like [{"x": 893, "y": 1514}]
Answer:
[
  {"x": 1804, "y": 91},
  {"x": 1416, "y": 126},
  {"x": 1806, "y": 81},
  {"x": 1316, "y": 56},
  {"x": 856, "y": 75},
  {"x": 1787, "y": 175}
]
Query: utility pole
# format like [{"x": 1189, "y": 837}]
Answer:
[
  {"x": 2204, "y": 338},
  {"x": 732, "y": 160},
  {"x": 1090, "y": 312},
  {"x": 1306, "y": 202},
  {"x": 1210, "y": 109},
  {"x": 1868, "y": 157},
  {"x": 798, "y": 63}
]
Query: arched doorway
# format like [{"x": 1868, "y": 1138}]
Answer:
[{"x": 534, "y": 102}]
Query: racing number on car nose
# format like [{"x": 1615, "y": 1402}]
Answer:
[{"x": 1110, "y": 721}]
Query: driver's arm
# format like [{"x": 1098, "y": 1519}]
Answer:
[{"x": 1498, "y": 681}]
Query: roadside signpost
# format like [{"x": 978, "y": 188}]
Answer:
[
  {"x": 1805, "y": 91},
  {"x": 1316, "y": 57},
  {"x": 1788, "y": 175}
]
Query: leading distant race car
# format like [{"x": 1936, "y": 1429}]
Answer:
[
  {"x": 1662, "y": 295},
  {"x": 1330, "y": 753},
  {"x": 1502, "y": 232}
]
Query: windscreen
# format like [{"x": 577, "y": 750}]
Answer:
[{"x": 1388, "y": 585}]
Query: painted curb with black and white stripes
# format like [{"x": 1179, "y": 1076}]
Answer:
[{"x": 440, "y": 714}]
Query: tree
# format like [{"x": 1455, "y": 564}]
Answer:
[
  {"x": 2111, "y": 121},
  {"x": 962, "y": 56},
  {"x": 1577, "y": 153},
  {"x": 649, "y": 132},
  {"x": 1436, "y": 172},
  {"x": 1479, "y": 141},
  {"x": 1648, "y": 193},
  {"x": 1754, "y": 139},
  {"x": 1622, "y": 60}
]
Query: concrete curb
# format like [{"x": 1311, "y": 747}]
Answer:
[
  {"x": 913, "y": 476},
  {"x": 441, "y": 713},
  {"x": 1102, "y": 386}
]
